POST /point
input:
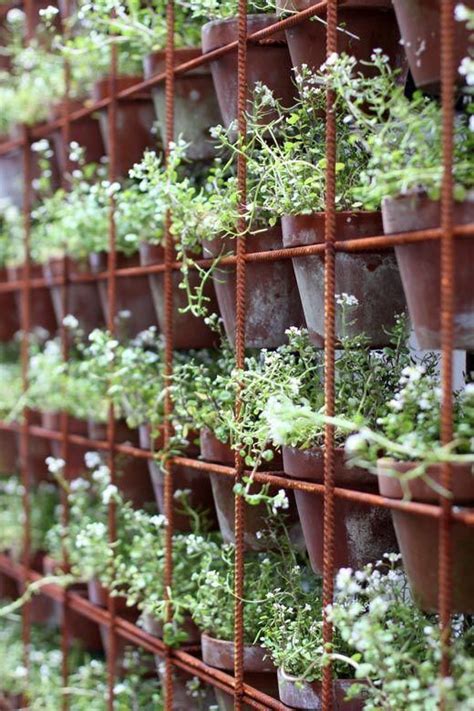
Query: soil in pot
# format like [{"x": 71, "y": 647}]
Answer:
[
  {"x": 420, "y": 28},
  {"x": 135, "y": 119},
  {"x": 195, "y": 480},
  {"x": 10, "y": 321},
  {"x": 134, "y": 307},
  {"x": 188, "y": 330},
  {"x": 85, "y": 131},
  {"x": 267, "y": 62},
  {"x": 259, "y": 671},
  {"x": 42, "y": 313},
  {"x": 362, "y": 533},
  {"x": 420, "y": 268},
  {"x": 308, "y": 695},
  {"x": 418, "y": 535},
  {"x": 272, "y": 300},
  {"x": 83, "y": 297},
  {"x": 212, "y": 450},
  {"x": 366, "y": 25},
  {"x": 9, "y": 461},
  {"x": 372, "y": 277},
  {"x": 196, "y": 107}
]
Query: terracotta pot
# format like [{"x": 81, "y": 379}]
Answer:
[
  {"x": 83, "y": 297},
  {"x": 123, "y": 433},
  {"x": 41, "y": 307},
  {"x": 419, "y": 22},
  {"x": 195, "y": 102},
  {"x": 132, "y": 295},
  {"x": 99, "y": 596},
  {"x": 212, "y": 450},
  {"x": 188, "y": 331},
  {"x": 418, "y": 535},
  {"x": 155, "y": 627},
  {"x": 8, "y": 587},
  {"x": 75, "y": 452},
  {"x": 85, "y": 132},
  {"x": 135, "y": 119},
  {"x": 259, "y": 671},
  {"x": 372, "y": 277},
  {"x": 308, "y": 695},
  {"x": 9, "y": 461},
  {"x": 370, "y": 24},
  {"x": 267, "y": 62},
  {"x": 10, "y": 321},
  {"x": 184, "y": 477},
  {"x": 272, "y": 300},
  {"x": 362, "y": 533},
  {"x": 423, "y": 285}
]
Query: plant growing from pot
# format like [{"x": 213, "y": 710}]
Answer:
[
  {"x": 404, "y": 170},
  {"x": 221, "y": 28},
  {"x": 395, "y": 648},
  {"x": 288, "y": 158}
]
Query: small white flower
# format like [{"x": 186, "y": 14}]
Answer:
[
  {"x": 70, "y": 321},
  {"x": 92, "y": 460},
  {"x": 109, "y": 493},
  {"x": 55, "y": 465},
  {"x": 461, "y": 13}
]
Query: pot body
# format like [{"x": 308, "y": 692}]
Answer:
[
  {"x": 372, "y": 277},
  {"x": 134, "y": 307},
  {"x": 272, "y": 299},
  {"x": 9, "y": 452},
  {"x": 212, "y": 450},
  {"x": 268, "y": 63},
  {"x": 42, "y": 313},
  {"x": 259, "y": 671},
  {"x": 188, "y": 330},
  {"x": 123, "y": 433},
  {"x": 420, "y": 22},
  {"x": 9, "y": 303},
  {"x": 135, "y": 119},
  {"x": 85, "y": 131},
  {"x": 420, "y": 268},
  {"x": 362, "y": 533},
  {"x": 308, "y": 695},
  {"x": 418, "y": 535},
  {"x": 196, "y": 107},
  {"x": 83, "y": 297},
  {"x": 370, "y": 24}
]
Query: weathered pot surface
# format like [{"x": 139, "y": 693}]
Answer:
[
  {"x": 419, "y": 488},
  {"x": 135, "y": 119},
  {"x": 99, "y": 596},
  {"x": 9, "y": 452},
  {"x": 134, "y": 306},
  {"x": 41, "y": 306},
  {"x": 219, "y": 653},
  {"x": 123, "y": 433},
  {"x": 418, "y": 537},
  {"x": 372, "y": 277},
  {"x": 85, "y": 132},
  {"x": 370, "y": 24},
  {"x": 362, "y": 533},
  {"x": 272, "y": 299},
  {"x": 420, "y": 22},
  {"x": 188, "y": 330},
  {"x": 308, "y": 695},
  {"x": 196, "y": 107},
  {"x": 155, "y": 627},
  {"x": 419, "y": 265},
  {"x": 266, "y": 63},
  {"x": 10, "y": 322}
]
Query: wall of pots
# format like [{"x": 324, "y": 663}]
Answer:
[{"x": 413, "y": 255}]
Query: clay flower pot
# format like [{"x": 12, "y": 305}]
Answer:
[
  {"x": 259, "y": 670},
  {"x": 419, "y": 265},
  {"x": 212, "y": 450},
  {"x": 267, "y": 62},
  {"x": 188, "y": 330},
  {"x": 123, "y": 433},
  {"x": 184, "y": 477},
  {"x": 195, "y": 102},
  {"x": 299, "y": 694},
  {"x": 41, "y": 307},
  {"x": 134, "y": 307},
  {"x": 83, "y": 297},
  {"x": 135, "y": 119},
  {"x": 155, "y": 627},
  {"x": 418, "y": 535},
  {"x": 10, "y": 321},
  {"x": 272, "y": 300},
  {"x": 419, "y": 22},
  {"x": 9, "y": 461},
  {"x": 75, "y": 453},
  {"x": 362, "y": 533},
  {"x": 85, "y": 132},
  {"x": 370, "y": 24},
  {"x": 372, "y": 277},
  {"x": 8, "y": 587},
  {"x": 99, "y": 596}
]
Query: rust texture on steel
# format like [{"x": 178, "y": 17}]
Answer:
[{"x": 184, "y": 659}]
